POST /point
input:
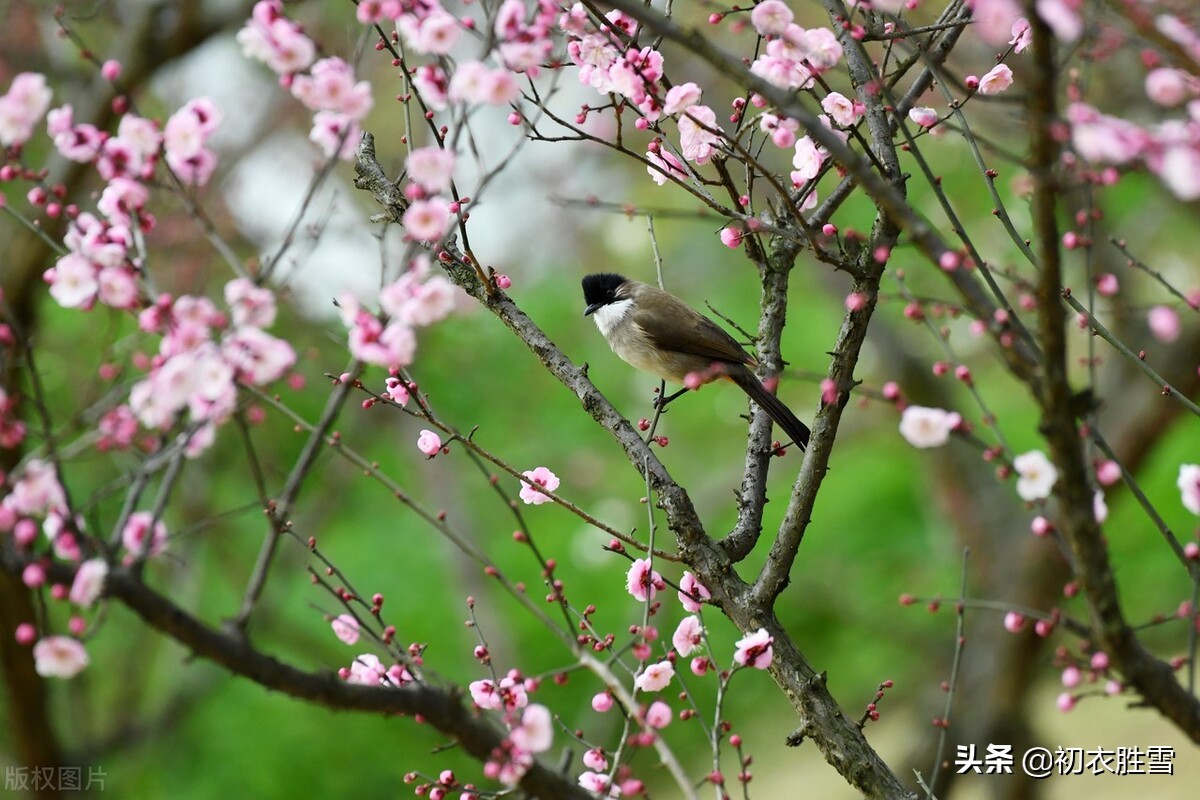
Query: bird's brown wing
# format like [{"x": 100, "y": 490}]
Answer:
[{"x": 687, "y": 331}]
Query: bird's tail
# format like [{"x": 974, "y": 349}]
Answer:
[{"x": 774, "y": 407}]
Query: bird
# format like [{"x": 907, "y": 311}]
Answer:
[{"x": 655, "y": 331}]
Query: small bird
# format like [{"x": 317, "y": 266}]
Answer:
[{"x": 657, "y": 332}]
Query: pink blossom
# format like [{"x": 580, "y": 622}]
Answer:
[
  {"x": 1022, "y": 35},
  {"x": 1108, "y": 473},
  {"x": 345, "y": 628},
  {"x": 594, "y": 759},
  {"x": 1179, "y": 169},
  {"x": 1036, "y": 475},
  {"x": 655, "y": 677},
  {"x": 473, "y": 82},
  {"x": 257, "y": 356},
  {"x": 689, "y": 636},
  {"x": 992, "y": 18},
  {"x": 1062, "y": 16},
  {"x": 188, "y": 129},
  {"x": 367, "y": 670},
  {"x": 1071, "y": 677},
  {"x": 732, "y": 237},
  {"x": 433, "y": 85},
  {"x": 195, "y": 169},
  {"x": 1168, "y": 87},
  {"x": 1014, "y": 622},
  {"x": 539, "y": 478},
  {"x": 771, "y": 18},
  {"x": 807, "y": 161},
  {"x": 59, "y": 657},
  {"x": 117, "y": 287},
  {"x": 1189, "y": 487},
  {"x": 143, "y": 535},
  {"x": 1099, "y": 507},
  {"x": 434, "y": 33},
  {"x": 755, "y": 650},
  {"x": 271, "y": 38},
  {"x": 330, "y": 86},
  {"x": 998, "y": 79},
  {"x": 37, "y": 491},
  {"x": 535, "y": 734},
  {"x": 89, "y": 582},
  {"x": 689, "y": 587},
  {"x": 842, "y": 109},
  {"x": 820, "y": 47},
  {"x": 663, "y": 166},
  {"x": 427, "y": 220},
  {"x": 429, "y": 443},
  {"x": 122, "y": 199},
  {"x": 927, "y": 427},
  {"x": 923, "y": 115},
  {"x": 681, "y": 97},
  {"x": 601, "y": 702},
  {"x": 431, "y": 167},
  {"x": 643, "y": 582},
  {"x": 696, "y": 140},
  {"x": 599, "y": 784},
  {"x": 335, "y": 134},
  {"x": 411, "y": 302},
  {"x": 250, "y": 304},
  {"x": 658, "y": 715},
  {"x": 22, "y": 107},
  {"x": 73, "y": 282},
  {"x": 1164, "y": 323},
  {"x": 1107, "y": 284},
  {"x": 1065, "y": 702}
]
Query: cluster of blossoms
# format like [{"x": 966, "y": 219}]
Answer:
[
  {"x": 328, "y": 88},
  {"x": 416, "y": 299},
  {"x": 204, "y": 353}
]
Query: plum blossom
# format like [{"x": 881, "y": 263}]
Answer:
[
  {"x": 475, "y": 83},
  {"x": 1036, "y": 475},
  {"x": 1062, "y": 16},
  {"x": 330, "y": 86},
  {"x": 335, "y": 134},
  {"x": 427, "y": 220},
  {"x": 250, "y": 304},
  {"x": 429, "y": 443},
  {"x": 928, "y": 427},
  {"x": 434, "y": 33},
  {"x": 680, "y": 97},
  {"x": 692, "y": 592},
  {"x": 655, "y": 677},
  {"x": 37, "y": 490},
  {"x": 1168, "y": 87},
  {"x": 696, "y": 140},
  {"x": 658, "y": 715},
  {"x": 73, "y": 281},
  {"x": 22, "y": 106},
  {"x": 998, "y": 79},
  {"x": 345, "y": 628},
  {"x": 771, "y": 18},
  {"x": 807, "y": 161},
  {"x": 431, "y": 167},
  {"x": 59, "y": 657},
  {"x": 600, "y": 784},
  {"x": 688, "y": 635},
  {"x": 642, "y": 581},
  {"x": 993, "y": 17},
  {"x": 1164, "y": 323},
  {"x": 270, "y": 37},
  {"x": 535, "y": 734},
  {"x": 143, "y": 535},
  {"x": 1189, "y": 487},
  {"x": 755, "y": 650},
  {"x": 89, "y": 582},
  {"x": 1022, "y": 35},
  {"x": 540, "y": 478},
  {"x": 842, "y": 109},
  {"x": 663, "y": 166},
  {"x": 509, "y": 694}
]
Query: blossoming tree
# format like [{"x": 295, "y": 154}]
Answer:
[{"x": 816, "y": 137}]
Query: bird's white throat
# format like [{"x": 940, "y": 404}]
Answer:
[{"x": 609, "y": 316}]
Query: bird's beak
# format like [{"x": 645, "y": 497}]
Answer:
[{"x": 592, "y": 308}]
